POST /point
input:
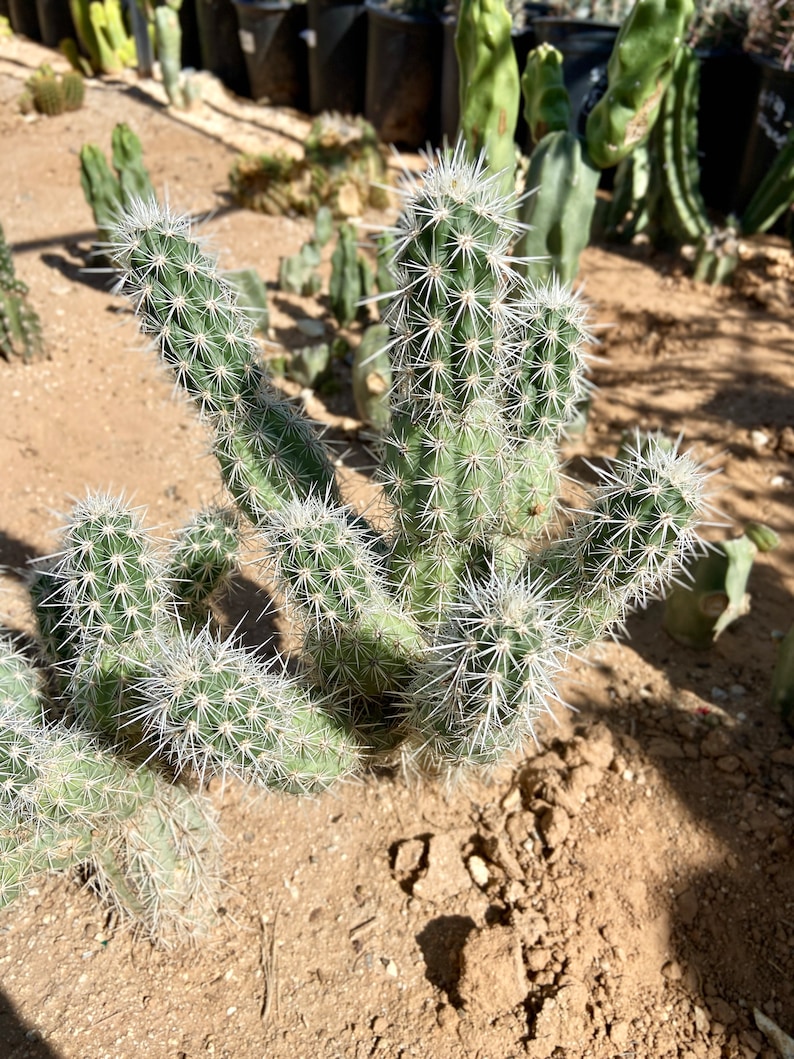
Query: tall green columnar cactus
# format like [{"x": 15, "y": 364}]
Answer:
[
  {"x": 444, "y": 634},
  {"x": 565, "y": 168},
  {"x": 20, "y": 327},
  {"x": 489, "y": 83}
]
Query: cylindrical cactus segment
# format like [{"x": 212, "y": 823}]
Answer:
[
  {"x": 490, "y": 92},
  {"x": 202, "y": 559},
  {"x": 489, "y": 675},
  {"x": 558, "y": 212},
  {"x": 358, "y": 637},
  {"x": 639, "y": 528},
  {"x": 264, "y": 447},
  {"x": 547, "y": 105},
  {"x": 213, "y": 709},
  {"x": 639, "y": 71},
  {"x": 21, "y": 685}
]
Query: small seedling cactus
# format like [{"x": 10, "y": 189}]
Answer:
[{"x": 440, "y": 638}]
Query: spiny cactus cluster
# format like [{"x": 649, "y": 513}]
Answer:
[
  {"x": 440, "y": 638},
  {"x": 53, "y": 93},
  {"x": 20, "y": 327},
  {"x": 770, "y": 30}
]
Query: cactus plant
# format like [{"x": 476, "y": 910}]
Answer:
[
  {"x": 20, "y": 327},
  {"x": 102, "y": 35},
  {"x": 697, "y": 613},
  {"x": 107, "y": 192},
  {"x": 564, "y": 167},
  {"x": 440, "y": 637},
  {"x": 490, "y": 93},
  {"x": 672, "y": 206},
  {"x": 351, "y": 278}
]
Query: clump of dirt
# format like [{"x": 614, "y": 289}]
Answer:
[{"x": 626, "y": 888}]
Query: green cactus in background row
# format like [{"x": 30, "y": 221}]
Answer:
[
  {"x": 441, "y": 637},
  {"x": 489, "y": 83},
  {"x": 106, "y": 192},
  {"x": 20, "y": 327},
  {"x": 298, "y": 273},
  {"x": 372, "y": 378},
  {"x": 52, "y": 93},
  {"x": 102, "y": 35},
  {"x": 697, "y": 613},
  {"x": 565, "y": 167},
  {"x": 670, "y": 206},
  {"x": 351, "y": 278}
]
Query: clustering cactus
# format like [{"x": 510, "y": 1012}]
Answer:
[
  {"x": 440, "y": 637},
  {"x": 150, "y": 847},
  {"x": 343, "y": 167},
  {"x": 53, "y": 93},
  {"x": 352, "y": 278},
  {"x": 564, "y": 167},
  {"x": 20, "y": 327}
]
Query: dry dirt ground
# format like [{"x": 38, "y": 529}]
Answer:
[{"x": 626, "y": 889}]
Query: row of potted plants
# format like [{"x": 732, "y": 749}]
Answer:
[{"x": 394, "y": 61}]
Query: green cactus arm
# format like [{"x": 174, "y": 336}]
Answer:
[
  {"x": 372, "y": 376},
  {"x": 489, "y": 674},
  {"x": 345, "y": 284},
  {"x": 251, "y": 295},
  {"x": 490, "y": 91},
  {"x": 268, "y": 453},
  {"x": 21, "y": 684},
  {"x": 559, "y": 210},
  {"x": 774, "y": 194},
  {"x": 639, "y": 71},
  {"x": 640, "y": 528},
  {"x": 213, "y": 709},
  {"x": 127, "y": 158},
  {"x": 101, "y": 188},
  {"x": 81, "y": 16},
  {"x": 547, "y": 105},
  {"x": 201, "y": 560},
  {"x": 105, "y": 27},
  {"x": 168, "y": 36}
]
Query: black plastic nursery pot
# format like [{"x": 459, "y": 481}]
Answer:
[
  {"x": 585, "y": 46},
  {"x": 4, "y": 12},
  {"x": 403, "y": 76},
  {"x": 191, "y": 43},
  {"x": 271, "y": 37},
  {"x": 728, "y": 90},
  {"x": 24, "y": 19},
  {"x": 772, "y": 118},
  {"x": 219, "y": 44},
  {"x": 337, "y": 42},
  {"x": 55, "y": 21}
]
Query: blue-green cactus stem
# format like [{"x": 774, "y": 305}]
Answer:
[
  {"x": 489, "y": 675},
  {"x": 357, "y": 637},
  {"x": 547, "y": 105},
  {"x": 558, "y": 211},
  {"x": 202, "y": 559}
]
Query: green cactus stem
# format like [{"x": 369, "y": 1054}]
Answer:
[
  {"x": 20, "y": 328},
  {"x": 697, "y": 613},
  {"x": 267, "y": 452},
  {"x": 639, "y": 71},
  {"x": 490, "y": 92},
  {"x": 371, "y": 377},
  {"x": 547, "y": 106},
  {"x": 351, "y": 279},
  {"x": 559, "y": 209},
  {"x": 201, "y": 561}
]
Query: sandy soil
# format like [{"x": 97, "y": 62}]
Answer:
[{"x": 625, "y": 889}]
